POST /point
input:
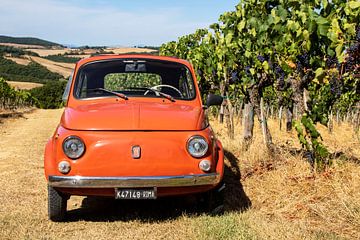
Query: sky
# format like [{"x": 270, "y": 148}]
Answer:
[{"x": 109, "y": 22}]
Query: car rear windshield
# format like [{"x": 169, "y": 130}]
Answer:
[{"x": 134, "y": 78}]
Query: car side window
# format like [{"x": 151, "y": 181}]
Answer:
[
  {"x": 185, "y": 86},
  {"x": 66, "y": 93}
]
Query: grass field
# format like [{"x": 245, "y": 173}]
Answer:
[
  {"x": 267, "y": 196},
  {"x": 22, "y": 61},
  {"x": 24, "y": 85}
]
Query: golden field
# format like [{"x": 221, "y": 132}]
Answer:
[{"x": 268, "y": 196}]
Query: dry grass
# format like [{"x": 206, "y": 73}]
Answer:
[
  {"x": 121, "y": 50},
  {"x": 288, "y": 200},
  {"x": 64, "y": 69},
  {"x": 277, "y": 198},
  {"x": 24, "y": 85},
  {"x": 43, "y": 52},
  {"x": 21, "y": 61}
]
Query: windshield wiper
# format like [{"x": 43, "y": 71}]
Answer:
[
  {"x": 167, "y": 96},
  {"x": 120, "y": 95}
]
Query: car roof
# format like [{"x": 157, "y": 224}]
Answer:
[{"x": 129, "y": 56}]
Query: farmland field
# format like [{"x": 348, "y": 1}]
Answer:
[
  {"x": 268, "y": 196},
  {"x": 64, "y": 69},
  {"x": 22, "y": 61},
  {"x": 24, "y": 85}
]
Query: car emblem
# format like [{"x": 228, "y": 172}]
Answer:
[{"x": 136, "y": 152}]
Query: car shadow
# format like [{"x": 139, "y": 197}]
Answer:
[
  {"x": 235, "y": 196},
  {"x": 99, "y": 209}
]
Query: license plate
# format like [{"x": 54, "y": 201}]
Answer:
[{"x": 121, "y": 193}]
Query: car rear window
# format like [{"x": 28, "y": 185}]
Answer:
[{"x": 134, "y": 78}]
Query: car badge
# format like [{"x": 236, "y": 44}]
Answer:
[{"x": 136, "y": 152}]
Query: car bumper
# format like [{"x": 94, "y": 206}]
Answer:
[{"x": 134, "y": 182}]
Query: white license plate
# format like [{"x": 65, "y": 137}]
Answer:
[{"x": 121, "y": 193}]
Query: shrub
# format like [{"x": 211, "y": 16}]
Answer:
[{"x": 49, "y": 96}]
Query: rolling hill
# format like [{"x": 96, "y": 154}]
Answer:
[{"x": 28, "y": 41}]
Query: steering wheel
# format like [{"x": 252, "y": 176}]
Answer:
[{"x": 164, "y": 85}]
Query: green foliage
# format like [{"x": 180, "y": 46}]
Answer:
[
  {"x": 155, "y": 53},
  {"x": 33, "y": 72},
  {"x": 12, "y": 99},
  {"x": 49, "y": 96},
  {"x": 311, "y": 139},
  {"x": 120, "y": 81},
  {"x": 15, "y": 52},
  {"x": 73, "y": 52},
  {"x": 148, "y": 47},
  {"x": 28, "y": 41},
  {"x": 62, "y": 58},
  {"x": 280, "y": 48}
]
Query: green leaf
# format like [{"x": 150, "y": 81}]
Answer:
[
  {"x": 319, "y": 72},
  {"x": 252, "y": 71},
  {"x": 338, "y": 50},
  {"x": 325, "y": 3},
  {"x": 282, "y": 13},
  {"x": 306, "y": 34},
  {"x": 253, "y": 32},
  {"x": 229, "y": 37},
  {"x": 241, "y": 25},
  {"x": 323, "y": 29},
  {"x": 322, "y": 21},
  {"x": 265, "y": 65},
  {"x": 354, "y": 4}
]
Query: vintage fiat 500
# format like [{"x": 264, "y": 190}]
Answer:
[{"x": 133, "y": 127}]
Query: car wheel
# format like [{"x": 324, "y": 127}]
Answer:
[
  {"x": 212, "y": 202},
  {"x": 56, "y": 205}
]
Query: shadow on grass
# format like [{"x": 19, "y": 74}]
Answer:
[
  {"x": 235, "y": 196},
  {"x": 13, "y": 114},
  {"x": 99, "y": 209}
]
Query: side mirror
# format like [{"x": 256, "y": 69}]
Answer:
[{"x": 213, "y": 100}]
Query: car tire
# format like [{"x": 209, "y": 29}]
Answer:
[
  {"x": 212, "y": 202},
  {"x": 56, "y": 205}
]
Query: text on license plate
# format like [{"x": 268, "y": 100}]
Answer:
[{"x": 135, "y": 193}]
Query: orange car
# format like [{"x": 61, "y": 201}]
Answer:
[{"x": 134, "y": 127}]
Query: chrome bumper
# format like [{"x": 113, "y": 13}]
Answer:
[{"x": 129, "y": 182}]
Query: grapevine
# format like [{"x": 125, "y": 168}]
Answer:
[{"x": 289, "y": 47}]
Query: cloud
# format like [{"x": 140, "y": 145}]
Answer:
[{"x": 64, "y": 22}]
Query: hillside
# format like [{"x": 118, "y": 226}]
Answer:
[
  {"x": 33, "y": 72},
  {"x": 28, "y": 41}
]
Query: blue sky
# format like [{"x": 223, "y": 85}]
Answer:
[{"x": 109, "y": 22}]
